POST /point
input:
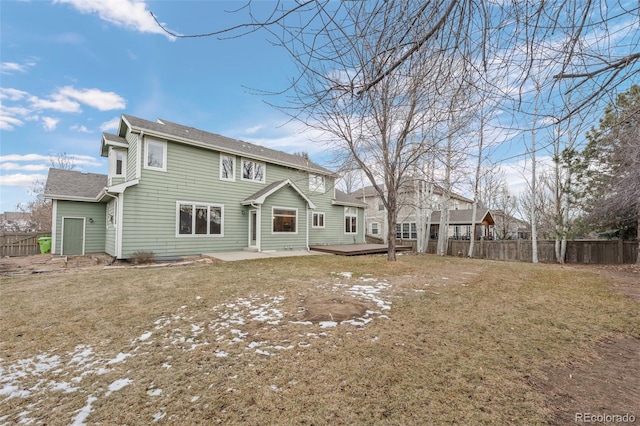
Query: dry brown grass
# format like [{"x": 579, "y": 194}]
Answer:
[{"x": 442, "y": 340}]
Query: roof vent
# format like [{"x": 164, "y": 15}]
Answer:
[{"x": 159, "y": 121}]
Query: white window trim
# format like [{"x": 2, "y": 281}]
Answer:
[
  {"x": 348, "y": 214},
  {"x": 195, "y": 204},
  {"x": 377, "y": 228},
  {"x": 264, "y": 171},
  {"x": 233, "y": 177},
  {"x": 146, "y": 165},
  {"x": 113, "y": 161},
  {"x": 273, "y": 209},
  {"x": 313, "y": 183},
  {"x": 324, "y": 220}
]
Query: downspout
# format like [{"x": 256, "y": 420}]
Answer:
[
  {"x": 307, "y": 223},
  {"x": 117, "y": 224}
]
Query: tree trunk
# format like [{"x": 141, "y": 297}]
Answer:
[{"x": 391, "y": 221}]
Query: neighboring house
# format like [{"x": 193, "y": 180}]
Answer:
[
  {"x": 175, "y": 190},
  {"x": 509, "y": 227},
  {"x": 460, "y": 209},
  {"x": 15, "y": 222}
]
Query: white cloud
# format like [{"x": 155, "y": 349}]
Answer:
[
  {"x": 12, "y": 94},
  {"x": 20, "y": 179},
  {"x": 96, "y": 98},
  {"x": 14, "y": 67},
  {"x": 80, "y": 128},
  {"x": 254, "y": 129},
  {"x": 77, "y": 159},
  {"x": 9, "y": 123},
  {"x": 110, "y": 125},
  {"x": 130, "y": 14},
  {"x": 50, "y": 123},
  {"x": 56, "y": 103},
  {"x": 23, "y": 157},
  {"x": 24, "y": 167}
]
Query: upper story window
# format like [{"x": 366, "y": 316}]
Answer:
[
  {"x": 155, "y": 155},
  {"x": 253, "y": 171},
  {"x": 350, "y": 220},
  {"x": 316, "y": 183},
  {"x": 227, "y": 167},
  {"x": 118, "y": 162}
]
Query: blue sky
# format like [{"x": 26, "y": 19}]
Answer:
[{"x": 69, "y": 69}]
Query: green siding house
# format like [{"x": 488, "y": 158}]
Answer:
[{"x": 176, "y": 190}]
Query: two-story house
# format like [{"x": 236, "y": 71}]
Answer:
[
  {"x": 406, "y": 226},
  {"x": 176, "y": 190}
]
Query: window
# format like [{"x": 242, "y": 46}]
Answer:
[
  {"x": 284, "y": 220},
  {"x": 406, "y": 231},
  {"x": 200, "y": 219},
  {"x": 227, "y": 167},
  {"x": 119, "y": 163},
  {"x": 380, "y": 206},
  {"x": 350, "y": 220},
  {"x": 253, "y": 171},
  {"x": 374, "y": 228},
  {"x": 317, "y": 220},
  {"x": 316, "y": 183},
  {"x": 155, "y": 157}
]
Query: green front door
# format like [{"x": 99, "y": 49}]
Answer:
[{"x": 72, "y": 236}]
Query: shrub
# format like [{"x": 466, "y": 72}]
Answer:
[{"x": 142, "y": 257}]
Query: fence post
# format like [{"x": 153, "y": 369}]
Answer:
[{"x": 620, "y": 251}]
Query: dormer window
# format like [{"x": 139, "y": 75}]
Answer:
[{"x": 118, "y": 163}]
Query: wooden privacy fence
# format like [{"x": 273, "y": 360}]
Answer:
[
  {"x": 21, "y": 244},
  {"x": 578, "y": 251}
]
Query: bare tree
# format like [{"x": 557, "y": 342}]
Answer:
[
  {"x": 591, "y": 46},
  {"x": 368, "y": 72},
  {"x": 38, "y": 210}
]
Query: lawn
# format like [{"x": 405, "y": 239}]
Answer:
[{"x": 307, "y": 340}]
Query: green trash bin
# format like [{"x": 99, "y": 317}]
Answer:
[{"x": 45, "y": 244}]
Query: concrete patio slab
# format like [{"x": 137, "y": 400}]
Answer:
[{"x": 248, "y": 255}]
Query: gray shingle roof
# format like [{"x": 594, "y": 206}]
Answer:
[
  {"x": 223, "y": 143},
  {"x": 343, "y": 198},
  {"x": 370, "y": 191},
  {"x": 463, "y": 217},
  {"x": 70, "y": 184}
]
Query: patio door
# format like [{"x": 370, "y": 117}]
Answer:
[
  {"x": 253, "y": 228},
  {"x": 72, "y": 236}
]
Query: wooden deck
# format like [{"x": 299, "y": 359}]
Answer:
[{"x": 356, "y": 249}]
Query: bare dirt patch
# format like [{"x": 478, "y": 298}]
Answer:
[
  {"x": 324, "y": 308},
  {"x": 605, "y": 383}
]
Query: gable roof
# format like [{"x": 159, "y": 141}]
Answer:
[
  {"x": 190, "y": 135},
  {"x": 73, "y": 185},
  {"x": 260, "y": 196},
  {"x": 113, "y": 140},
  {"x": 463, "y": 217}
]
